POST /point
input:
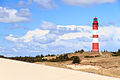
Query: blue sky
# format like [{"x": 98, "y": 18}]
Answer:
[{"x": 32, "y": 27}]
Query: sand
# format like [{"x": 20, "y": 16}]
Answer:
[
  {"x": 78, "y": 67},
  {"x": 17, "y": 70}
]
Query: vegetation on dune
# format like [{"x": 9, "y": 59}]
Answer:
[
  {"x": 50, "y": 55},
  {"x": 39, "y": 58},
  {"x": 116, "y": 53},
  {"x": 76, "y": 59},
  {"x": 61, "y": 58},
  {"x": 88, "y": 56},
  {"x": 57, "y": 58},
  {"x": 1, "y": 56},
  {"x": 91, "y": 56},
  {"x": 79, "y": 51},
  {"x": 28, "y": 59}
]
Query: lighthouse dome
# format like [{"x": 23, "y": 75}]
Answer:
[{"x": 95, "y": 19}]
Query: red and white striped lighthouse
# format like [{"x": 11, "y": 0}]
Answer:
[{"x": 95, "y": 44}]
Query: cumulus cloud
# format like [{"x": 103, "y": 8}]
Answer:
[
  {"x": 106, "y": 33},
  {"x": 74, "y": 28},
  {"x": 48, "y": 26},
  {"x": 86, "y": 2},
  {"x": 24, "y": 4},
  {"x": 75, "y": 35},
  {"x": 83, "y": 32},
  {"x": 37, "y": 36},
  {"x": 45, "y": 4},
  {"x": 30, "y": 35},
  {"x": 3, "y": 14},
  {"x": 48, "y": 38},
  {"x": 9, "y": 15},
  {"x": 10, "y": 37},
  {"x": 45, "y": 40},
  {"x": 23, "y": 13}
]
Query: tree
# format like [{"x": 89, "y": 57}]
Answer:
[
  {"x": 62, "y": 58},
  {"x": 81, "y": 50},
  {"x": 53, "y": 55},
  {"x": 118, "y": 50},
  {"x": 38, "y": 56},
  {"x": 42, "y": 55},
  {"x": 76, "y": 59}
]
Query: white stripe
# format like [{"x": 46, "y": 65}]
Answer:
[
  {"x": 95, "y": 32},
  {"x": 95, "y": 49},
  {"x": 95, "y": 40}
]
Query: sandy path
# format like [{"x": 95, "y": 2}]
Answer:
[{"x": 16, "y": 70}]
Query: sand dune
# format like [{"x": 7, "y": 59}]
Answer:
[{"x": 17, "y": 70}]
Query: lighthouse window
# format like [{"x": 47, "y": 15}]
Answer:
[{"x": 95, "y": 19}]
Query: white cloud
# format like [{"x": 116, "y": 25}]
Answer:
[
  {"x": 45, "y": 39},
  {"x": 105, "y": 33},
  {"x": 80, "y": 37},
  {"x": 48, "y": 26},
  {"x": 109, "y": 33},
  {"x": 29, "y": 36},
  {"x": 23, "y": 13},
  {"x": 11, "y": 38},
  {"x": 75, "y": 35},
  {"x": 35, "y": 36},
  {"x": 9, "y": 15},
  {"x": 47, "y": 4},
  {"x": 82, "y": 33},
  {"x": 35, "y": 33},
  {"x": 24, "y": 4},
  {"x": 86, "y": 2},
  {"x": 71, "y": 28}
]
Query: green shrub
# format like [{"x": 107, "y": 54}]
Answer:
[
  {"x": 76, "y": 59},
  {"x": 97, "y": 56},
  {"x": 72, "y": 57},
  {"x": 79, "y": 51},
  {"x": 53, "y": 60},
  {"x": 52, "y": 55},
  {"x": 88, "y": 56},
  {"x": 1, "y": 56},
  {"x": 44, "y": 59},
  {"x": 60, "y": 58},
  {"x": 116, "y": 53}
]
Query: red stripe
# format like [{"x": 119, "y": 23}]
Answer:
[
  {"x": 95, "y": 47},
  {"x": 95, "y": 25},
  {"x": 95, "y": 36}
]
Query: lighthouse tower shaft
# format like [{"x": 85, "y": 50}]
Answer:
[{"x": 95, "y": 44}]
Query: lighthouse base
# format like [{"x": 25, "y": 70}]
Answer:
[
  {"x": 95, "y": 50},
  {"x": 95, "y": 47}
]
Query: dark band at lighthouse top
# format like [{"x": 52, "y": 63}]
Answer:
[{"x": 95, "y": 19}]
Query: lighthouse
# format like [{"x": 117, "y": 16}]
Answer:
[{"x": 95, "y": 44}]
